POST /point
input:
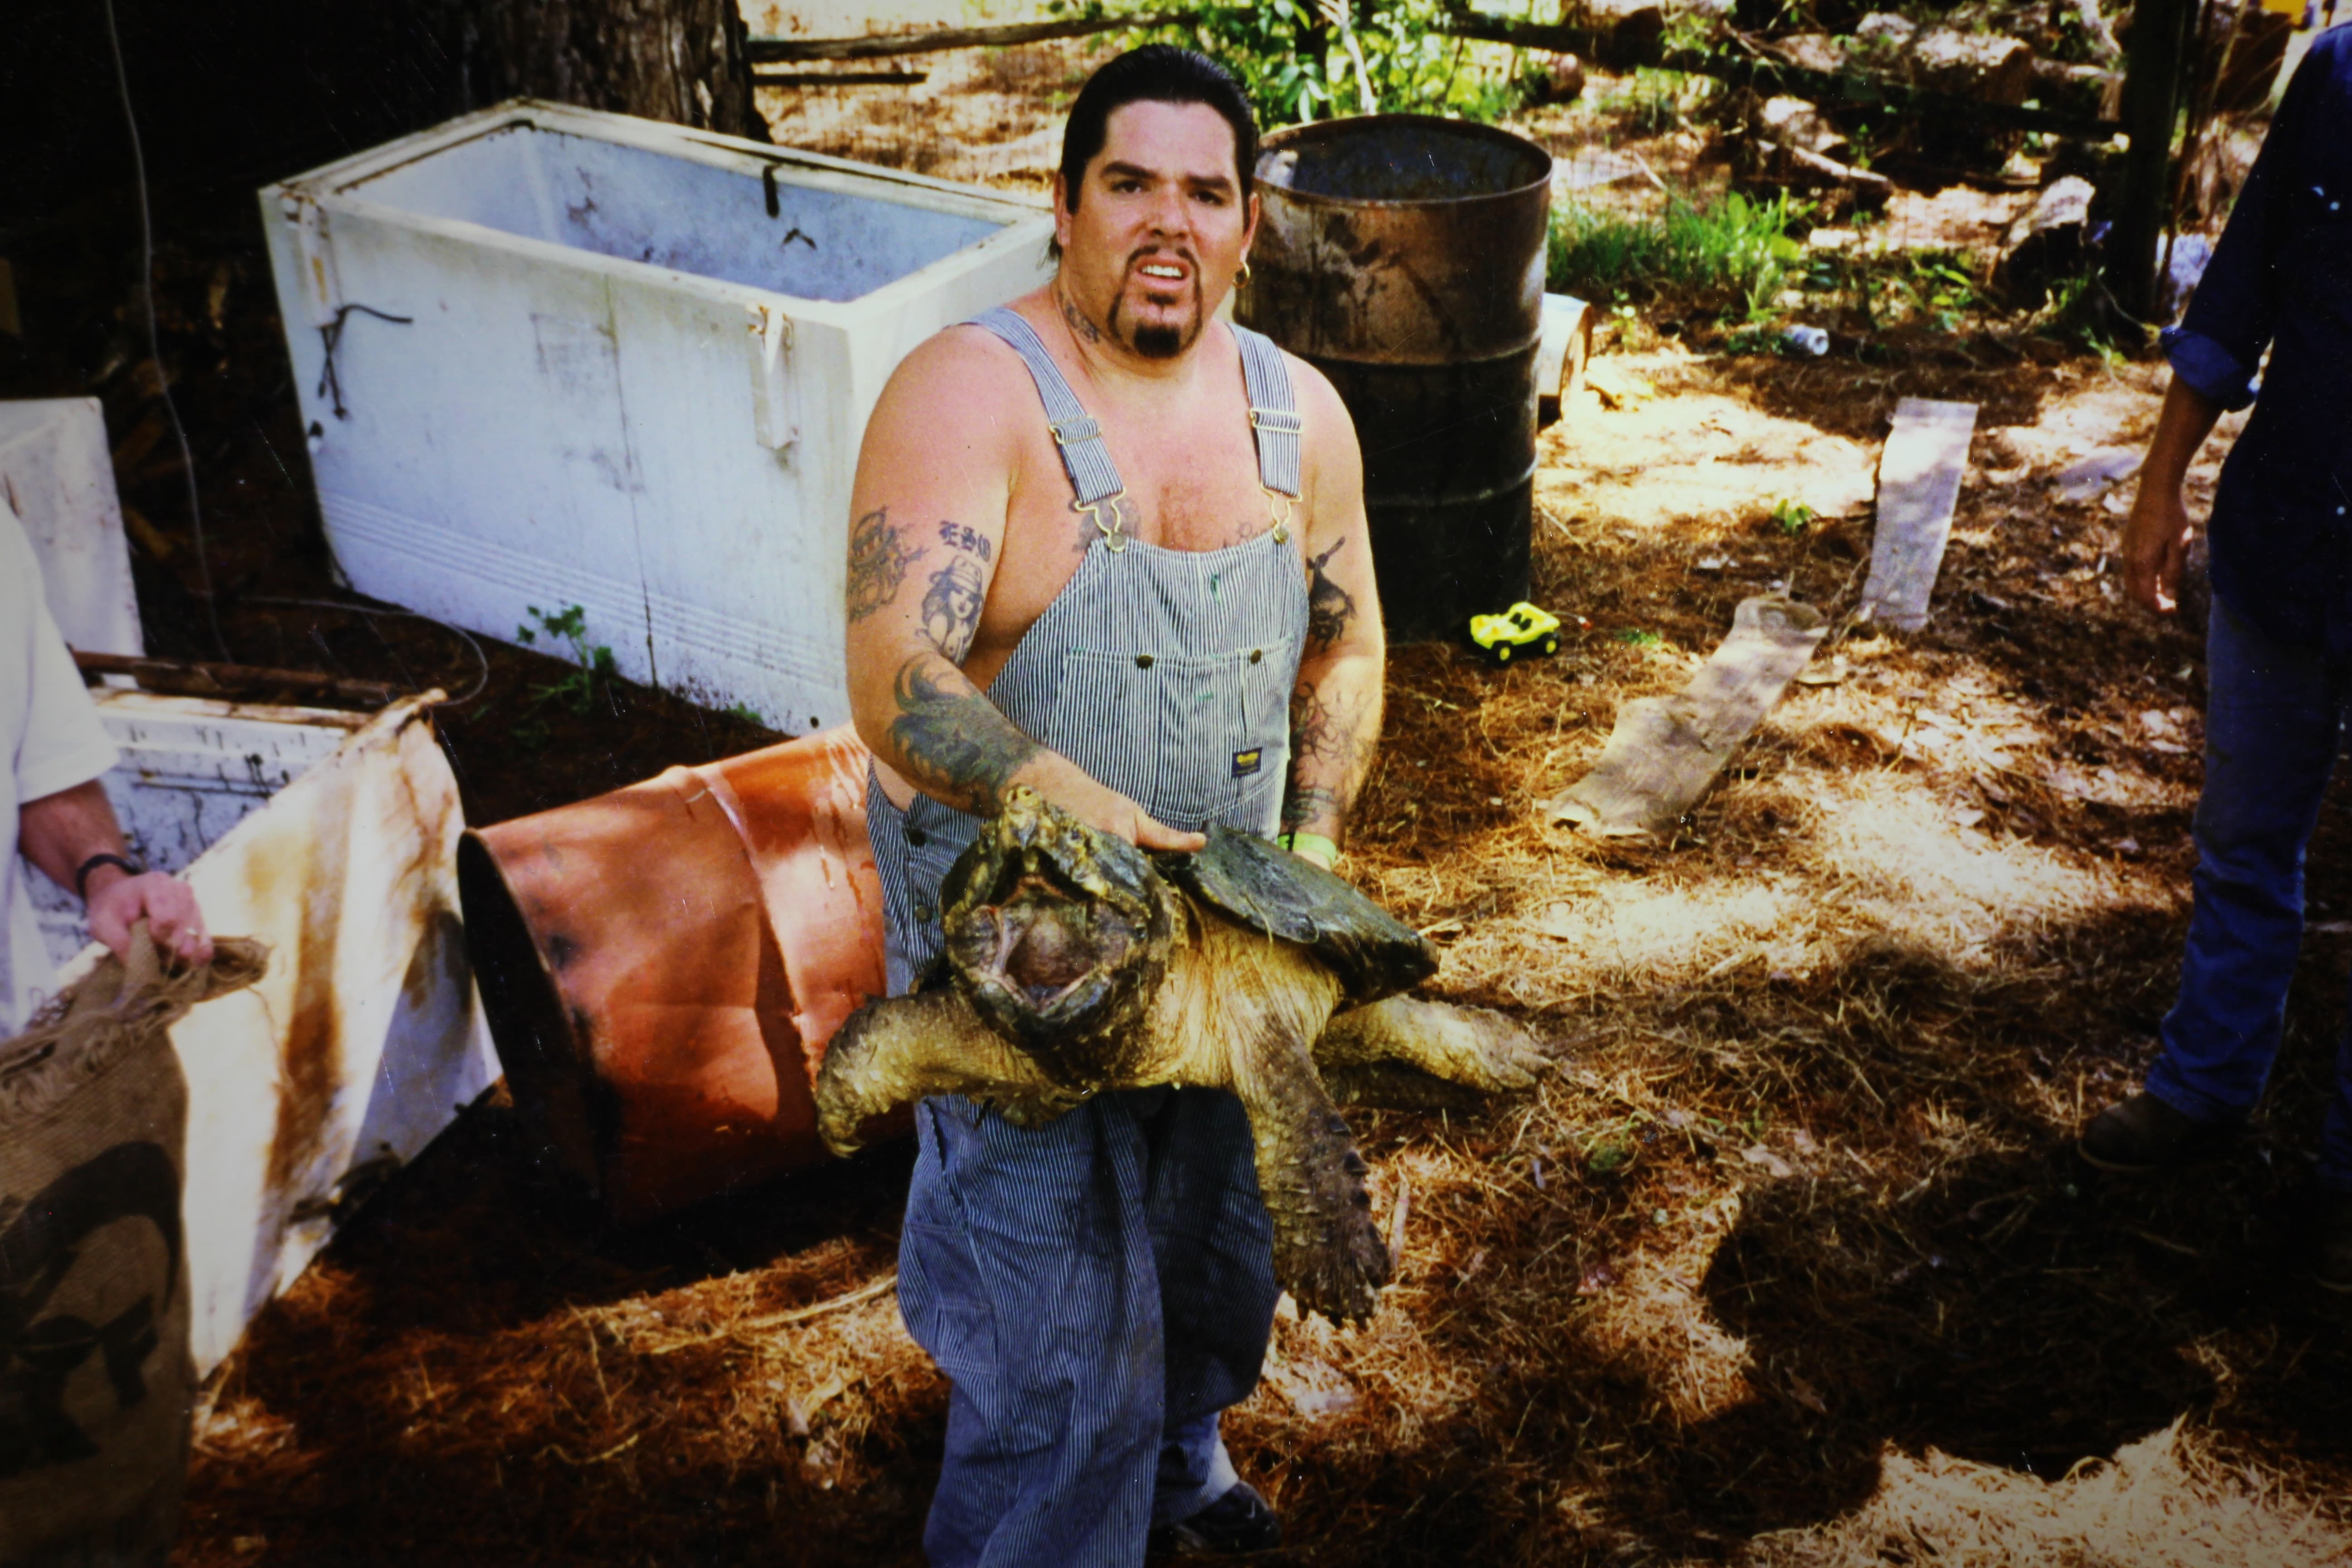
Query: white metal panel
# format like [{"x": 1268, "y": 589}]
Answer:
[
  {"x": 622, "y": 382},
  {"x": 57, "y": 475},
  {"x": 192, "y": 769}
]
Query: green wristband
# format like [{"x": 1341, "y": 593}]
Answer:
[{"x": 1313, "y": 846}]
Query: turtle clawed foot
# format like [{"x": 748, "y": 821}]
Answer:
[
  {"x": 1327, "y": 1251},
  {"x": 1481, "y": 1049}
]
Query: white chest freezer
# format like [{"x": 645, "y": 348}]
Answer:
[{"x": 548, "y": 357}]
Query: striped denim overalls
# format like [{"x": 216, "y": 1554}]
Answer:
[{"x": 1098, "y": 1290}]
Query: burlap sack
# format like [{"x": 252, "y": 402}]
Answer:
[{"x": 95, "y": 1379}]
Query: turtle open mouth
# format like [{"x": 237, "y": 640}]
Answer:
[
  {"x": 1056, "y": 932},
  {"x": 1042, "y": 939}
]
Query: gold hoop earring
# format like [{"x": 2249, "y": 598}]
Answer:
[{"x": 1241, "y": 279}]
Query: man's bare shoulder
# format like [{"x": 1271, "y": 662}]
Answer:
[
  {"x": 957, "y": 373},
  {"x": 1330, "y": 433}
]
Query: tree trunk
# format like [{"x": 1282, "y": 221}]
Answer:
[{"x": 679, "y": 61}]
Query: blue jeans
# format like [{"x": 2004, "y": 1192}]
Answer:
[
  {"x": 1097, "y": 1290},
  {"x": 2274, "y": 724}
]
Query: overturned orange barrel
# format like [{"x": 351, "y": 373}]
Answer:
[
  {"x": 1402, "y": 256},
  {"x": 662, "y": 966}
]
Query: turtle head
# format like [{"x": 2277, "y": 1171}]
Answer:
[{"x": 1057, "y": 933}]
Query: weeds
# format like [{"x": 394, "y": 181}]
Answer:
[
  {"x": 1734, "y": 254},
  {"x": 1791, "y": 517},
  {"x": 578, "y": 689}
]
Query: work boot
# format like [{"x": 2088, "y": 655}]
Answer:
[
  {"x": 2143, "y": 1135},
  {"x": 1240, "y": 1522},
  {"x": 2333, "y": 1269}
]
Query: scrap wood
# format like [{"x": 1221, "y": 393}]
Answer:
[
  {"x": 175, "y": 678},
  {"x": 1918, "y": 486},
  {"x": 1665, "y": 751}
]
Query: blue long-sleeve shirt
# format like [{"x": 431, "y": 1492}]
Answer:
[{"x": 2282, "y": 280}]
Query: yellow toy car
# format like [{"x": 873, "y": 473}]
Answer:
[{"x": 1521, "y": 629}]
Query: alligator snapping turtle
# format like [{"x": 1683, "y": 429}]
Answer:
[{"x": 1078, "y": 963}]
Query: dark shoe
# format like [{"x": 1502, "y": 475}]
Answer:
[
  {"x": 2333, "y": 1269},
  {"x": 1240, "y": 1522},
  {"x": 2143, "y": 1133}
]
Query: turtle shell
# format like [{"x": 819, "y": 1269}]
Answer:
[{"x": 1269, "y": 888}]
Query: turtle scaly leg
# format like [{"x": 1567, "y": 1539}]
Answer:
[
  {"x": 1327, "y": 1251},
  {"x": 1466, "y": 1046},
  {"x": 891, "y": 1052}
]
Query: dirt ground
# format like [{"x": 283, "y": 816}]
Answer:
[{"x": 1788, "y": 1265}]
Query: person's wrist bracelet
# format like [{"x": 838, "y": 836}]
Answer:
[
  {"x": 1311, "y": 844},
  {"x": 81, "y": 872}
]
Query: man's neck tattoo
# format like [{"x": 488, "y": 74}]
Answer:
[{"x": 1081, "y": 328}]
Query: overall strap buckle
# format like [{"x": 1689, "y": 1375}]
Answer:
[{"x": 1114, "y": 532}]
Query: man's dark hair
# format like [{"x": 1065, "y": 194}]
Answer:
[{"x": 1156, "y": 73}]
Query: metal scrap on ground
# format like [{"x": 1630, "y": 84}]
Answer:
[
  {"x": 1918, "y": 485},
  {"x": 1665, "y": 751}
]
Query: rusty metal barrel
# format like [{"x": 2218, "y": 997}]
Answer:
[
  {"x": 1402, "y": 256},
  {"x": 662, "y": 967}
]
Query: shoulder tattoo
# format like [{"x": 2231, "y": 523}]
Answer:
[{"x": 878, "y": 559}]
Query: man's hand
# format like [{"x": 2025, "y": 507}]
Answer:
[
  {"x": 1099, "y": 806},
  {"x": 119, "y": 900},
  {"x": 2156, "y": 537},
  {"x": 2156, "y": 547}
]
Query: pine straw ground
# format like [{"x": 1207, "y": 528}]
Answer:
[{"x": 1787, "y": 1265}]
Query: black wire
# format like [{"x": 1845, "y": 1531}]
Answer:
[
  {"x": 154, "y": 338},
  {"x": 483, "y": 659}
]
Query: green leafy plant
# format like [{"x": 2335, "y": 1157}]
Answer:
[
  {"x": 745, "y": 713},
  {"x": 568, "y": 628},
  {"x": 1312, "y": 59},
  {"x": 1791, "y": 516},
  {"x": 1635, "y": 636}
]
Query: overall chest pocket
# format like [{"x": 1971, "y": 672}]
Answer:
[{"x": 1193, "y": 737}]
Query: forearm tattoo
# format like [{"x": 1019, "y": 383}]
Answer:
[
  {"x": 1329, "y": 607},
  {"x": 951, "y": 606},
  {"x": 1329, "y": 753},
  {"x": 958, "y": 743},
  {"x": 879, "y": 558}
]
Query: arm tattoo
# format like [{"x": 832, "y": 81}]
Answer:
[
  {"x": 1329, "y": 607},
  {"x": 878, "y": 559},
  {"x": 958, "y": 741},
  {"x": 1326, "y": 756},
  {"x": 952, "y": 607},
  {"x": 1310, "y": 805}
]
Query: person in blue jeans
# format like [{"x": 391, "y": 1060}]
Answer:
[
  {"x": 2279, "y": 651},
  {"x": 1112, "y": 549}
]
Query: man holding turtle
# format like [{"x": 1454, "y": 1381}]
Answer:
[{"x": 1111, "y": 549}]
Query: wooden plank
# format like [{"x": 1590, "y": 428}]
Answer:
[
  {"x": 180, "y": 678},
  {"x": 1665, "y": 751},
  {"x": 1918, "y": 485},
  {"x": 765, "y": 51}
]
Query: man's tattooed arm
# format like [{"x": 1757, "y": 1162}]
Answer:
[
  {"x": 958, "y": 590},
  {"x": 951, "y": 739},
  {"x": 880, "y": 555},
  {"x": 1330, "y": 609},
  {"x": 1334, "y": 720}
]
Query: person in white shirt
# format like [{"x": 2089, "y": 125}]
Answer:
[{"x": 53, "y": 811}]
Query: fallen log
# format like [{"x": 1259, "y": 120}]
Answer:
[
  {"x": 1769, "y": 75},
  {"x": 769, "y": 51},
  {"x": 1665, "y": 751}
]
